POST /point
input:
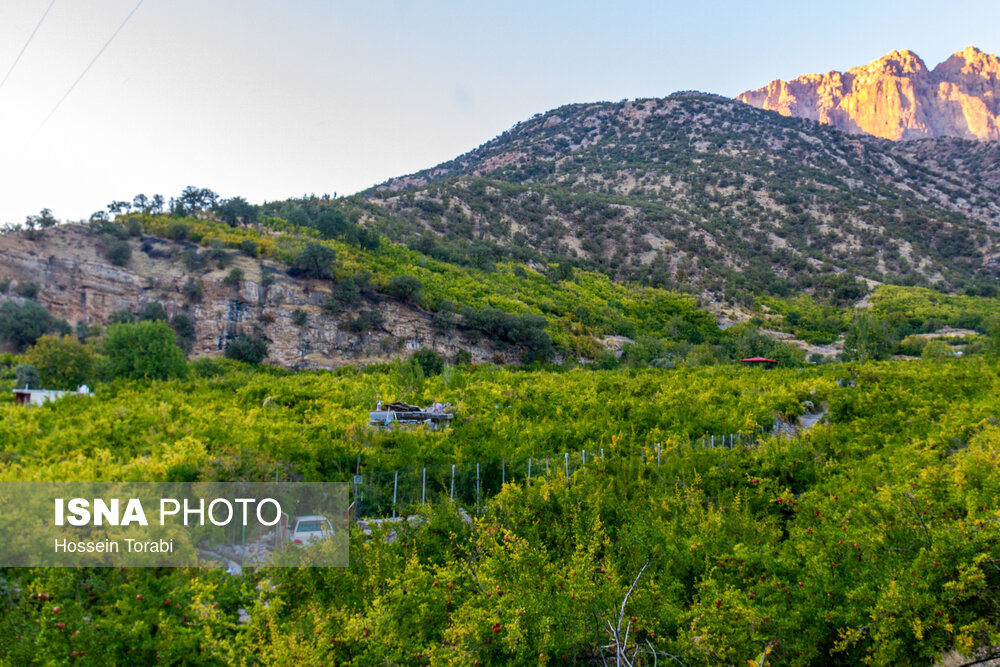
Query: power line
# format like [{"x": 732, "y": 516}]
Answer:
[
  {"x": 25, "y": 47},
  {"x": 89, "y": 65}
]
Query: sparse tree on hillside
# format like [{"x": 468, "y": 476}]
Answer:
[
  {"x": 46, "y": 219},
  {"x": 157, "y": 204},
  {"x": 316, "y": 261},
  {"x": 236, "y": 210},
  {"x": 117, "y": 207}
]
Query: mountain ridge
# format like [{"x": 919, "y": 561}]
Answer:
[
  {"x": 707, "y": 194},
  {"x": 896, "y": 97}
]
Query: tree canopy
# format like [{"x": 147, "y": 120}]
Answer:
[{"x": 144, "y": 350}]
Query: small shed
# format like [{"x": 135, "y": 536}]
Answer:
[
  {"x": 404, "y": 414},
  {"x": 25, "y": 396}
]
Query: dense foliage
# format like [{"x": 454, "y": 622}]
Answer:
[
  {"x": 249, "y": 349},
  {"x": 872, "y": 538},
  {"x": 22, "y": 324},
  {"x": 144, "y": 350},
  {"x": 62, "y": 362}
]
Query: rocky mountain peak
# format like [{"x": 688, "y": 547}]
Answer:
[
  {"x": 896, "y": 63},
  {"x": 897, "y": 97}
]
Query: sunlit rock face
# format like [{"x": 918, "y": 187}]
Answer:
[{"x": 896, "y": 97}]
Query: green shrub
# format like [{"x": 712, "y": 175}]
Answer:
[
  {"x": 868, "y": 338},
  {"x": 178, "y": 231},
  {"x": 145, "y": 350},
  {"x": 430, "y": 361},
  {"x": 316, "y": 261},
  {"x": 22, "y": 324},
  {"x": 406, "y": 288},
  {"x": 121, "y": 316},
  {"x": 183, "y": 326},
  {"x": 250, "y": 248},
  {"x": 183, "y": 472},
  {"x": 234, "y": 277},
  {"x": 193, "y": 289},
  {"x": 28, "y": 289},
  {"x": 193, "y": 260},
  {"x": 366, "y": 320},
  {"x": 248, "y": 349},
  {"x": 936, "y": 350},
  {"x": 912, "y": 345},
  {"x": 218, "y": 254},
  {"x": 62, "y": 362},
  {"x": 118, "y": 252},
  {"x": 26, "y": 375},
  {"x": 266, "y": 277},
  {"x": 153, "y": 311}
]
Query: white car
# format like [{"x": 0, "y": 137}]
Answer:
[{"x": 311, "y": 528}]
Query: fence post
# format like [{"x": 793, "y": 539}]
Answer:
[
  {"x": 395, "y": 486},
  {"x": 567, "y": 468},
  {"x": 529, "y": 470},
  {"x": 713, "y": 442},
  {"x": 423, "y": 489},
  {"x": 602, "y": 452},
  {"x": 583, "y": 457},
  {"x": 657, "y": 455},
  {"x": 477, "y": 488},
  {"x": 452, "y": 481}
]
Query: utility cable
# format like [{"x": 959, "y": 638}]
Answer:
[
  {"x": 25, "y": 47},
  {"x": 89, "y": 65}
]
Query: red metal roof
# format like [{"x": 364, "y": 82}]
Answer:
[{"x": 759, "y": 360}]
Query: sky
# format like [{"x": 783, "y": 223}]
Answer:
[{"x": 269, "y": 100}]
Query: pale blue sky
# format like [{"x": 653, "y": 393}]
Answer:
[{"x": 275, "y": 99}]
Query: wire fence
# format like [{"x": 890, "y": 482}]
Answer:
[{"x": 393, "y": 493}]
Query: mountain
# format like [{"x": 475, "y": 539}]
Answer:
[
  {"x": 896, "y": 97},
  {"x": 709, "y": 195}
]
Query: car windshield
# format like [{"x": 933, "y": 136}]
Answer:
[{"x": 312, "y": 526}]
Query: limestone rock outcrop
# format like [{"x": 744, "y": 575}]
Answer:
[
  {"x": 897, "y": 97},
  {"x": 77, "y": 284}
]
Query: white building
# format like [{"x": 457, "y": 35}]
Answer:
[{"x": 27, "y": 396}]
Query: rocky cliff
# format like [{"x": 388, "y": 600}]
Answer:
[
  {"x": 896, "y": 97},
  {"x": 77, "y": 284}
]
